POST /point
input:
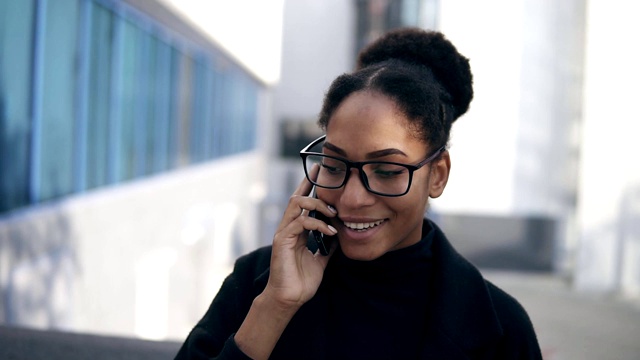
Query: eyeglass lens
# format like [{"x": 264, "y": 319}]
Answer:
[{"x": 384, "y": 178}]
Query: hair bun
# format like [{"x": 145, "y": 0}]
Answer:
[{"x": 427, "y": 48}]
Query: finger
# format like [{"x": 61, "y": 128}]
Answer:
[
  {"x": 300, "y": 206},
  {"x": 302, "y": 223}
]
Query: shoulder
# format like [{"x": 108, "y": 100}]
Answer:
[
  {"x": 519, "y": 337},
  {"x": 486, "y": 319},
  {"x": 251, "y": 272},
  {"x": 512, "y": 315},
  {"x": 254, "y": 263}
]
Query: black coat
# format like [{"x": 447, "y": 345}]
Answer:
[{"x": 471, "y": 318}]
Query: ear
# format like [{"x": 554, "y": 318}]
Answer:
[{"x": 439, "y": 175}]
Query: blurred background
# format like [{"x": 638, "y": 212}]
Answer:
[{"x": 146, "y": 144}]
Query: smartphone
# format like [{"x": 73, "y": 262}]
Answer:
[{"x": 318, "y": 240}]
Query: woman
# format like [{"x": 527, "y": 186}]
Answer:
[{"x": 391, "y": 287}]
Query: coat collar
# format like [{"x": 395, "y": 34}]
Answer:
[
  {"x": 462, "y": 314},
  {"x": 462, "y": 310}
]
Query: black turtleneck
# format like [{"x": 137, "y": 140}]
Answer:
[{"x": 378, "y": 308}]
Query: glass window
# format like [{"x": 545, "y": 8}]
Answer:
[
  {"x": 151, "y": 111},
  {"x": 127, "y": 151},
  {"x": 88, "y": 101},
  {"x": 225, "y": 96},
  {"x": 16, "y": 24},
  {"x": 202, "y": 115},
  {"x": 250, "y": 116},
  {"x": 235, "y": 119},
  {"x": 185, "y": 108},
  {"x": 161, "y": 108},
  {"x": 174, "y": 123},
  {"x": 217, "y": 102},
  {"x": 58, "y": 101},
  {"x": 206, "y": 97},
  {"x": 101, "y": 49}
]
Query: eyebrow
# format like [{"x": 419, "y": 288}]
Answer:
[{"x": 371, "y": 155}]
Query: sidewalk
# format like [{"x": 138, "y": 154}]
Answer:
[{"x": 572, "y": 325}]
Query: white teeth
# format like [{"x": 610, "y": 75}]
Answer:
[{"x": 362, "y": 226}]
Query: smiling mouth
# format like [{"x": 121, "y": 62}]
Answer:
[{"x": 362, "y": 226}]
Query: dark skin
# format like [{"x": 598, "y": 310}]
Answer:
[{"x": 366, "y": 125}]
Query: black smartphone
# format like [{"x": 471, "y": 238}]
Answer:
[{"x": 318, "y": 240}]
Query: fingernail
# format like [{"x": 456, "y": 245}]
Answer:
[
  {"x": 333, "y": 230},
  {"x": 332, "y": 209}
]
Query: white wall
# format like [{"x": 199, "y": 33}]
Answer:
[
  {"x": 317, "y": 46},
  {"x": 140, "y": 259},
  {"x": 609, "y": 183},
  {"x": 251, "y": 30},
  {"x": 483, "y": 141},
  {"x": 553, "y": 127}
]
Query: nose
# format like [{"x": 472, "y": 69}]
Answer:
[{"x": 354, "y": 193}]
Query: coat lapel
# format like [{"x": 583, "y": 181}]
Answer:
[
  {"x": 461, "y": 316},
  {"x": 462, "y": 313}
]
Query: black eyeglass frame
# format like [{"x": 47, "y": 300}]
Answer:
[{"x": 304, "y": 153}]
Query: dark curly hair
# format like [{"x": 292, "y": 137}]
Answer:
[{"x": 421, "y": 71}]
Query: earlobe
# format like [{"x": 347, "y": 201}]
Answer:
[{"x": 439, "y": 175}]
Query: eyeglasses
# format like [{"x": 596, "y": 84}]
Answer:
[{"x": 379, "y": 177}]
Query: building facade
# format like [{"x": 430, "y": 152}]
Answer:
[{"x": 131, "y": 165}]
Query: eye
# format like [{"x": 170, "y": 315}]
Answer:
[
  {"x": 387, "y": 171},
  {"x": 332, "y": 167}
]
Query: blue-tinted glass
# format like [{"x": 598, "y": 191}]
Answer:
[
  {"x": 234, "y": 115},
  {"x": 207, "y": 109},
  {"x": 58, "y": 106},
  {"x": 251, "y": 116},
  {"x": 185, "y": 109},
  {"x": 150, "y": 114},
  {"x": 101, "y": 49},
  {"x": 16, "y": 24},
  {"x": 217, "y": 101},
  {"x": 130, "y": 77},
  {"x": 225, "y": 108},
  {"x": 162, "y": 107},
  {"x": 174, "y": 119},
  {"x": 200, "y": 113}
]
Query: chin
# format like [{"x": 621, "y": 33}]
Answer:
[{"x": 361, "y": 253}]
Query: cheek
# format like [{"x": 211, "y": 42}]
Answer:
[
  {"x": 420, "y": 185},
  {"x": 419, "y": 194},
  {"x": 326, "y": 195}
]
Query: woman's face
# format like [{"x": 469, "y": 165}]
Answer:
[{"x": 367, "y": 126}]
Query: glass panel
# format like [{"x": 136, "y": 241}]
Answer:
[
  {"x": 207, "y": 109},
  {"x": 185, "y": 109},
  {"x": 99, "y": 97},
  {"x": 217, "y": 101},
  {"x": 232, "y": 113},
  {"x": 16, "y": 24},
  {"x": 162, "y": 107},
  {"x": 196, "y": 114},
  {"x": 251, "y": 116},
  {"x": 152, "y": 96},
  {"x": 198, "y": 126},
  {"x": 58, "y": 105},
  {"x": 174, "y": 111},
  {"x": 127, "y": 154}
]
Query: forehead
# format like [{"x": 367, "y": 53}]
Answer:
[{"x": 369, "y": 121}]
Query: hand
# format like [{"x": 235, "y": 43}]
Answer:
[
  {"x": 294, "y": 277},
  {"x": 296, "y": 273}
]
